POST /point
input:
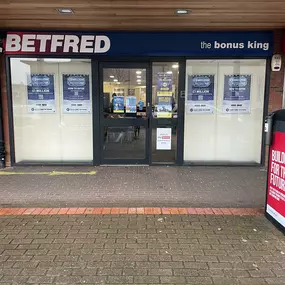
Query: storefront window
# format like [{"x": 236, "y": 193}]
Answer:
[
  {"x": 52, "y": 110},
  {"x": 224, "y": 110}
]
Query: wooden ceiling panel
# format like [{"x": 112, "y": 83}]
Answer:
[{"x": 142, "y": 15}]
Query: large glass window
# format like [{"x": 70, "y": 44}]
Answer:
[
  {"x": 52, "y": 110},
  {"x": 224, "y": 110}
]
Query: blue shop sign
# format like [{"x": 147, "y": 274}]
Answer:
[{"x": 196, "y": 44}]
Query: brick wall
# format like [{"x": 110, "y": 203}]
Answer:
[
  {"x": 4, "y": 101},
  {"x": 277, "y": 78}
]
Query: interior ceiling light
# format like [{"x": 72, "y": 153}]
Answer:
[
  {"x": 182, "y": 11},
  {"x": 112, "y": 76},
  {"x": 65, "y": 11},
  {"x": 175, "y": 65},
  {"x": 57, "y": 60},
  {"x": 28, "y": 59},
  {"x": 138, "y": 72},
  {"x": 139, "y": 76},
  {"x": 169, "y": 72},
  {"x": 115, "y": 80},
  {"x": 139, "y": 80}
]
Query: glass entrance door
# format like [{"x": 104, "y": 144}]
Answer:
[
  {"x": 125, "y": 112},
  {"x": 165, "y": 79}
]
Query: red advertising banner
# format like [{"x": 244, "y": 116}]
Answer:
[{"x": 276, "y": 179}]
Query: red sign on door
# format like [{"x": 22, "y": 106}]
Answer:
[{"x": 276, "y": 179}]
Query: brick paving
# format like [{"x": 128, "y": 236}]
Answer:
[
  {"x": 133, "y": 186},
  {"x": 140, "y": 249},
  {"x": 131, "y": 211}
]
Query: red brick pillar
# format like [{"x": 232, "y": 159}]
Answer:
[
  {"x": 277, "y": 77},
  {"x": 4, "y": 100}
]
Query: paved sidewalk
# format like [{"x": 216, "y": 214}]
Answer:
[
  {"x": 156, "y": 186},
  {"x": 140, "y": 249}
]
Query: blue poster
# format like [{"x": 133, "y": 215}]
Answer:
[
  {"x": 41, "y": 95},
  {"x": 131, "y": 104},
  {"x": 200, "y": 94},
  {"x": 76, "y": 94},
  {"x": 237, "y": 93},
  {"x": 164, "y": 84},
  {"x": 118, "y": 104},
  {"x": 164, "y": 107}
]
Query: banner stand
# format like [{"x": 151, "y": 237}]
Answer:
[{"x": 275, "y": 185}]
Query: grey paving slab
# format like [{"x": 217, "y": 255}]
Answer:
[
  {"x": 208, "y": 262},
  {"x": 156, "y": 186}
]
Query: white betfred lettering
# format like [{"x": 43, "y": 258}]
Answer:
[
  {"x": 13, "y": 43},
  {"x": 71, "y": 42},
  {"x": 28, "y": 43},
  {"x": 99, "y": 48},
  {"x": 56, "y": 41},
  {"x": 87, "y": 43},
  {"x": 43, "y": 41}
]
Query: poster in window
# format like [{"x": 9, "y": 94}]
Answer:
[
  {"x": 200, "y": 97},
  {"x": 76, "y": 94},
  {"x": 164, "y": 107},
  {"x": 118, "y": 104},
  {"x": 163, "y": 138},
  {"x": 131, "y": 104},
  {"x": 236, "y": 99},
  {"x": 41, "y": 93},
  {"x": 164, "y": 84}
]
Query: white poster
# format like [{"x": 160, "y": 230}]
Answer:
[
  {"x": 41, "y": 95},
  {"x": 163, "y": 138},
  {"x": 237, "y": 89},
  {"x": 200, "y": 95},
  {"x": 76, "y": 94}
]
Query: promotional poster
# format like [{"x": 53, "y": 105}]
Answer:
[
  {"x": 164, "y": 84},
  {"x": 131, "y": 104},
  {"x": 118, "y": 104},
  {"x": 236, "y": 98},
  {"x": 76, "y": 94},
  {"x": 276, "y": 179},
  {"x": 41, "y": 93},
  {"x": 200, "y": 95},
  {"x": 164, "y": 107}
]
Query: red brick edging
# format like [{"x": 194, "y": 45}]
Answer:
[{"x": 139, "y": 211}]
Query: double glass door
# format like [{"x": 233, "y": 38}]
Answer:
[{"x": 138, "y": 113}]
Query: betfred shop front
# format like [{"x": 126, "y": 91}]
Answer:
[{"x": 137, "y": 98}]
